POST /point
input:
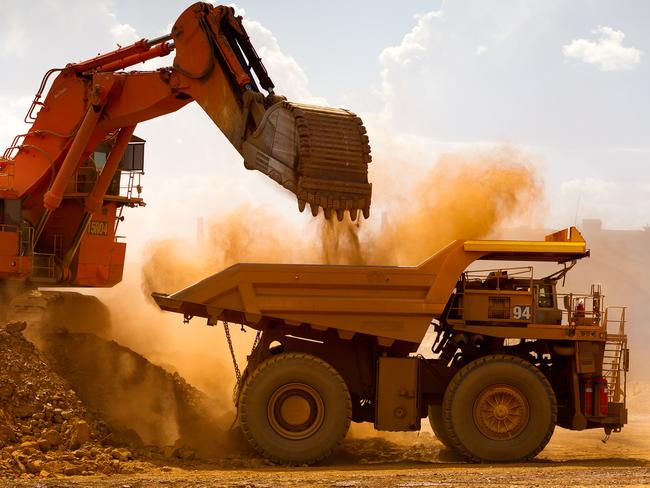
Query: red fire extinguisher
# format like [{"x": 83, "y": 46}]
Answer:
[
  {"x": 601, "y": 388},
  {"x": 588, "y": 396}
]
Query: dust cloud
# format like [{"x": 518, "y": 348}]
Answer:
[{"x": 464, "y": 196}]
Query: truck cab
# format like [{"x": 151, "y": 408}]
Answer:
[{"x": 514, "y": 296}]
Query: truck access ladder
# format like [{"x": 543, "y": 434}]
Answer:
[{"x": 616, "y": 361}]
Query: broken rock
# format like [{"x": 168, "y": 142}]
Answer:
[{"x": 80, "y": 434}]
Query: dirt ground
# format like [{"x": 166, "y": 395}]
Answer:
[{"x": 571, "y": 459}]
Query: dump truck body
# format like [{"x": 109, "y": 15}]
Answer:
[
  {"x": 512, "y": 358},
  {"x": 387, "y": 302}
]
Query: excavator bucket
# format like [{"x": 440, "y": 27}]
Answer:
[{"x": 320, "y": 154}]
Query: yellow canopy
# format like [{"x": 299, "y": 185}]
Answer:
[{"x": 565, "y": 245}]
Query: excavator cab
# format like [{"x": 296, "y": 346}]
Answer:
[
  {"x": 126, "y": 179},
  {"x": 129, "y": 170}
]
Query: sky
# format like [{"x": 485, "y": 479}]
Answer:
[{"x": 567, "y": 82}]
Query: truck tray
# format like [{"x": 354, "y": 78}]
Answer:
[{"x": 389, "y": 302}]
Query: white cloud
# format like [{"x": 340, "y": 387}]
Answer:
[
  {"x": 124, "y": 34},
  {"x": 437, "y": 63},
  {"x": 607, "y": 51},
  {"x": 413, "y": 45},
  {"x": 287, "y": 75},
  {"x": 400, "y": 64}
]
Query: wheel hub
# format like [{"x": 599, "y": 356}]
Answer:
[
  {"x": 501, "y": 412},
  {"x": 295, "y": 411}
]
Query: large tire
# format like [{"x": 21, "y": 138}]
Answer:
[
  {"x": 438, "y": 426},
  {"x": 295, "y": 409},
  {"x": 499, "y": 408}
]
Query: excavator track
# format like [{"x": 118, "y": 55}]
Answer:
[{"x": 320, "y": 154}]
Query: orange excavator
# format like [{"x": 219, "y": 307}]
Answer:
[{"x": 64, "y": 184}]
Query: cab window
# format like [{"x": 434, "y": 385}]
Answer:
[{"x": 545, "y": 296}]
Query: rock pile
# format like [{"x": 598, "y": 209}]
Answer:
[
  {"x": 78, "y": 404},
  {"x": 44, "y": 427},
  {"x": 142, "y": 404}
]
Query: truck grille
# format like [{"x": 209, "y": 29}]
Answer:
[{"x": 499, "y": 308}]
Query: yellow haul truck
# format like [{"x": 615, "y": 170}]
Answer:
[{"x": 512, "y": 357}]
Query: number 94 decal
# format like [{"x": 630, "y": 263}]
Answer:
[{"x": 521, "y": 312}]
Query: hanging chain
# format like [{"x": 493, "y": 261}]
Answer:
[
  {"x": 256, "y": 341},
  {"x": 238, "y": 375},
  {"x": 226, "y": 328}
]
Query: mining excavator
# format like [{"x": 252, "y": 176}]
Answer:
[
  {"x": 511, "y": 358},
  {"x": 65, "y": 183}
]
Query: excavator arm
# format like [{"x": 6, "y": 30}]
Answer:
[{"x": 320, "y": 154}]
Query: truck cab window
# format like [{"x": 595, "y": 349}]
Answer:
[{"x": 545, "y": 299}]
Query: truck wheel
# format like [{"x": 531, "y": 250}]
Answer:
[
  {"x": 438, "y": 426},
  {"x": 295, "y": 408},
  {"x": 499, "y": 408}
]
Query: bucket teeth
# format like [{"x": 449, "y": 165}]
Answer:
[{"x": 329, "y": 212}]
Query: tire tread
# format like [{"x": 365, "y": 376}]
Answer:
[
  {"x": 269, "y": 363},
  {"x": 458, "y": 379}
]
